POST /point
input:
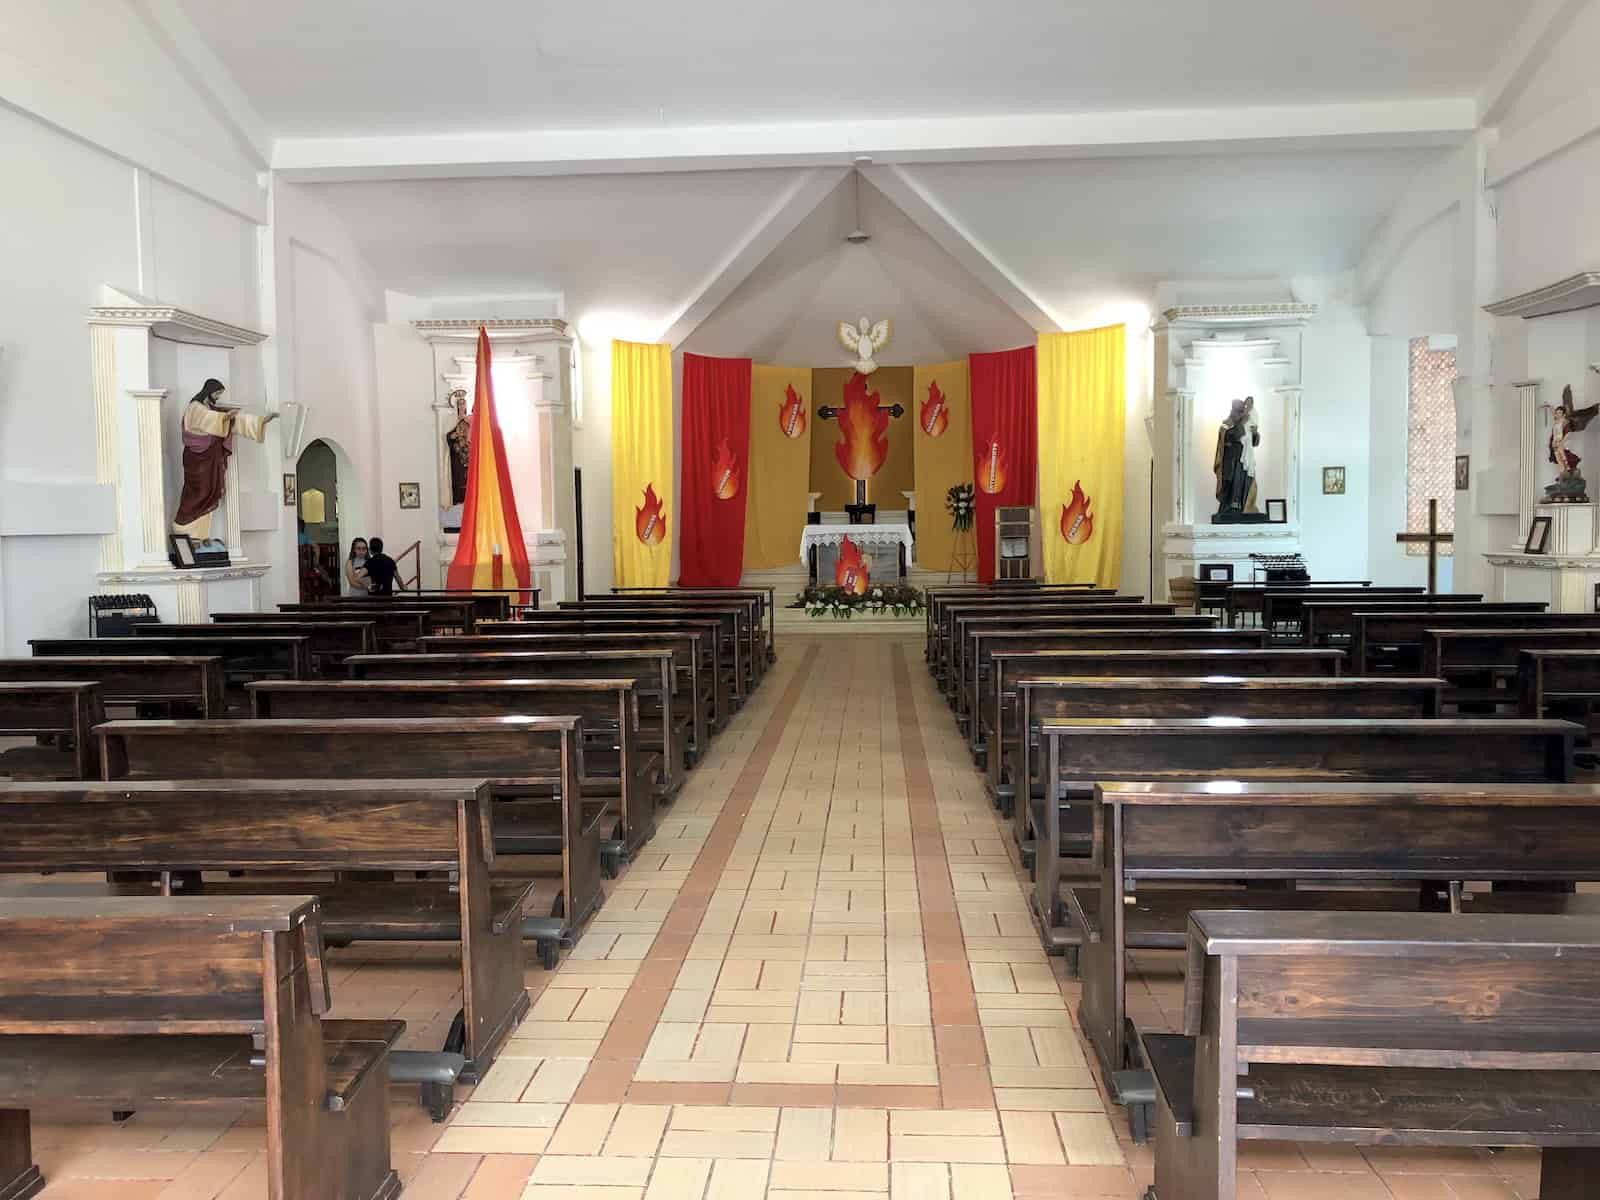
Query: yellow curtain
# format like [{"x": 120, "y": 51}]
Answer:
[
  {"x": 642, "y": 512},
  {"x": 941, "y": 409},
  {"x": 1082, "y": 380},
  {"x": 781, "y": 421}
]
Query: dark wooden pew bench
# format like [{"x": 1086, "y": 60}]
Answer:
[
  {"x": 961, "y": 619},
  {"x": 739, "y": 619},
  {"x": 171, "y": 685},
  {"x": 1481, "y": 664},
  {"x": 1394, "y": 641},
  {"x": 1328, "y": 623},
  {"x": 293, "y": 829},
  {"x": 458, "y": 615},
  {"x": 1568, "y": 680},
  {"x": 330, "y": 642},
  {"x": 243, "y": 658},
  {"x": 396, "y": 628},
  {"x": 61, "y": 716},
  {"x": 615, "y": 765},
  {"x": 1245, "y": 599},
  {"x": 724, "y": 655},
  {"x": 1283, "y": 610},
  {"x": 1381, "y": 1029},
  {"x": 543, "y": 827},
  {"x": 766, "y": 604},
  {"x": 1009, "y": 599},
  {"x": 124, "y": 1003},
  {"x": 1171, "y": 849}
]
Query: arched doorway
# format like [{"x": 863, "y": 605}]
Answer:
[{"x": 317, "y": 473}]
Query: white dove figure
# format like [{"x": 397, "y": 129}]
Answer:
[{"x": 863, "y": 339}]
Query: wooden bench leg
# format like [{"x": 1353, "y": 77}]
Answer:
[
  {"x": 19, "y": 1175},
  {"x": 1569, "y": 1174}
]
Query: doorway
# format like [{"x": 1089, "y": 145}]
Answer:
[{"x": 317, "y": 473}]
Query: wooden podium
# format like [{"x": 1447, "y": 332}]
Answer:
[{"x": 1013, "y": 541}]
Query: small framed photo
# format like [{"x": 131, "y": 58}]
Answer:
[
  {"x": 291, "y": 490},
  {"x": 1463, "y": 472},
  {"x": 180, "y": 550},
  {"x": 1278, "y": 511},
  {"x": 1217, "y": 572},
  {"x": 410, "y": 495},
  {"x": 1333, "y": 481},
  {"x": 1538, "y": 537}
]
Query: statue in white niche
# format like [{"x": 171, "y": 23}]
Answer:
[
  {"x": 1234, "y": 465},
  {"x": 1566, "y": 420}
]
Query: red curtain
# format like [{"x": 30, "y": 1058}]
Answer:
[
  {"x": 1005, "y": 445},
  {"x": 716, "y": 460}
]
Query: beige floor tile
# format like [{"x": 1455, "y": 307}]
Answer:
[
  {"x": 911, "y": 1045},
  {"x": 861, "y": 1034},
  {"x": 475, "y": 1139},
  {"x": 556, "y": 1079},
  {"x": 735, "y": 1179},
  {"x": 919, "y": 1181},
  {"x": 765, "y": 1043},
  {"x": 735, "y": 1119},
  {"x": 688, "y": 1143},
  {"x": 637, "y": 1130},
  {"x": 1089, "y": 1139},
  {"x": 973, "y": 1182},
  {"x": 679, "y": 1179},
  {"x": 959, "y": 1123},
  {"x": 719, "y": 1043},
  {"x": 660, "y": 1070},
  {"x": 889, "y": 1075},
  {"x": 488, "y": 1112},
  {"x": 786, "y": 1072},
  {"x": 613, "y": 1172},
  {"x": 918, "y": 1148},
  {"x": 822, "y": 1176},
  {"x": 672, "y": 1040},
  {"x": 861, "y": 1135},
  {"x": 1049, "y": 1099},
  {"x": 1031, "y": 1137},
  {"x": 583, "y": 1130},
  {"x": 804, "y": 1134}
]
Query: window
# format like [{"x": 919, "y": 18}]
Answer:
[{"x": 1430, "y": 439}]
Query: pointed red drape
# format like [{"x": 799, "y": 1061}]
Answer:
[
  {"x": 716, "y": 461},
  {"x": 1005, "y": 440},
  {"x": 490, "y": 552}
]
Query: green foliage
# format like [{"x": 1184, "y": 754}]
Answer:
[{"x": 900, "y": 599}]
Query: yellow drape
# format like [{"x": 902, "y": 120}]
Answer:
[
  {"x": 1082, "y": 380},
  {"x": 780, "y": 467},
  {"x": 641, "y": 460},
  {"x": 943, "y": 458}
]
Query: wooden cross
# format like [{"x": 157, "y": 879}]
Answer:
[{"x": 1433, "y": 539}]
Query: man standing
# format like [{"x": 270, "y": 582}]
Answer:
[{"x": 381, "y": 569}]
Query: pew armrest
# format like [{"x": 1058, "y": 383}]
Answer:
[
  {"x": 1171, "y": 1059},
  {"x": 354, "y": 1048},
  {"x": 506, "y": 899}
]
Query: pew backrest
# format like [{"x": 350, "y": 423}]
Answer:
[{"x": 164, "y": 679}]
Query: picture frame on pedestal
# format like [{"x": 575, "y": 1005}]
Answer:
[
  {"x": 180, "y": 550},
  {"x": 1277, "y": 512},
  {"x": 1538, "y": 536}
]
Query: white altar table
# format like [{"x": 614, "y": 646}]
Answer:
[{"x": 880, "y": 543}]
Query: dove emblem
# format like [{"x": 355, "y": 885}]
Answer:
[{"x": 864, "y": 339}]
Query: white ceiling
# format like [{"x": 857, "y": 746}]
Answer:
[{"x": 359, "y": 67}]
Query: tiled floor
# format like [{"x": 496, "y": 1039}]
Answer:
[{"x": 818, "y": 982}]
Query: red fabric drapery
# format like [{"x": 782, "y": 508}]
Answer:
[
  {"x": 716, "y": 461},
  {"x": 1005, "y": 440}
]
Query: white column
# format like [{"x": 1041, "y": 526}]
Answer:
[
  {"x": 231, "y": 508},
  {"x": 146, "y": 543},
  {"x": 1291, "y": 440},
  {"x": 1528, "y": 482},
  {"x": 1182, "y": 400},
  {"x": 107, "y": 455}
]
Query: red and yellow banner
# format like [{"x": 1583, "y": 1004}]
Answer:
[
  {"x": 716, "y": 470},
  {"x": 642, "y": 509},
  {"x": 1004, "y": 440},
  {"x": 490, "y": 552}
]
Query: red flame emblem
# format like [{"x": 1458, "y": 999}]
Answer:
[
  {"x": 935, "y": 415},
  {"x": 992, "y": 468},
  {"x": 725, "y": 473},
  {"x": 862, "y": 446},
  {"x": 792, "y": 413},
  {"x": 852, "y": 573},
  {"x": 649, "y": 522},
  {"x": 1077, "y": 522}
]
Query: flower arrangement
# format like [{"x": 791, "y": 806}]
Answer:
[
  {"x": 900, "y": 599},
  {"x": 961, "y": 506}
]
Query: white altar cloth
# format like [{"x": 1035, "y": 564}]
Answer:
[{"x": 868, "y": 537}]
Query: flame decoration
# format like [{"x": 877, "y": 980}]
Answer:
[
  {"x": 935, "y": 415},
  {"x": 725, "y": 473},
  {"x": 863, "y": 443},
  {"x": 1077, "y": 522},
  {"x": 852, "y": 573},
  {"x": 649, "y": 522},
  {"x": 792, "y": 413},
  {"x": 992, "y": 468}
]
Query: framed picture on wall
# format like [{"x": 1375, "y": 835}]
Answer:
[
  {"x": 1463, "y": 472},
  {"x": 1333, "y": 481},
  {"x": 1277, "y": 512},
  {"x": 1538, "y": 537},
  {"x": 410, "y": 495},
  {"x": 291, "y": 492}
]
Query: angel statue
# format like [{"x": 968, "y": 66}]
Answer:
[
  {"x": 1569, "y": 487},
  {"x": 863, "y": 339}
]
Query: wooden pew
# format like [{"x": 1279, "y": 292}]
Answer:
[
  {"x": 947, "y": 648},
  {"x": 1004, "y": 740},
  {"x": 965, "y": 624},
  {"x": 487, "y": 604},
  {"x": 330, "y": 642},
  {"x": 766, "y": 611},
  {"x": 396, "y": 628},
  {"x": 1285, "y": 608},
  {"x": 615, "y": 765},
  {"x": 1556, "y": 677},
  {"x": 1476, "y": 662},
  {"x": 719, "y": 642},
  {"x": 678, "y": 732},
  {"x": 1392, "y": 640},
  {"x": 442, "y": 614},
  {"x": 981, "y": 641},
  {"x": 531, "y": 765},
  {"x": 1246, "y": 598},
  {"x": 745, "y": 608},
  {"x": 1007, "y": 600},
  {"x": 937, "y": 597},
  {"x": 121, "y": 1003},
  {"x": 1171, "y": 849},
  {"x": 190, "y": 684},
  {"x": 320, "y": 826},
  {"x": 55, "y": 710},
  {"x": 1076, "y": 754},
  {"x": 283, "y": 656},
  {"x": 692, "y": 654},
  {"x": 1425, "y": 1030},
  {"x": 1326, "y": 623}
]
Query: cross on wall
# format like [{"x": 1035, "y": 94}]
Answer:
[{"x": 1433, "y": 539}]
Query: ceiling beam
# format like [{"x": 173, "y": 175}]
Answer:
[
  {"x": 948, "y": 139},
  {"x": 1545, "y": 23},
  {"x": 782, "y": 219},
  {"x": 918, "y": 204}
]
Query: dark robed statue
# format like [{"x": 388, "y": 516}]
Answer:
[{"x": 1235, "y": 462}]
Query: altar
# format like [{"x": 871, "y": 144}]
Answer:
[{"x": 887, "y": 546}]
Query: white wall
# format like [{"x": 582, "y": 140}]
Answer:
[{"x": 1335, "y": 414}]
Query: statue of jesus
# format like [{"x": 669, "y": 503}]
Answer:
[{"x": 207, "y": 429}]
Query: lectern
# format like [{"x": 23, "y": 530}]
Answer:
[{"x": 1013, "y": 536}]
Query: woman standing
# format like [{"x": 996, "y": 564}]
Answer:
[{"x": 356, "y": 581}]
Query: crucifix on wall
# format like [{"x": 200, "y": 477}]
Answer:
[
  {"x": 863, "y": 445},
  {"x": 1433, "y": 539}
]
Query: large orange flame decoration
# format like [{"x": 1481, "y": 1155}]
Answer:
[
  {"x": 1077, "y": 522},
  {"x": 863, "y": 445},
  {"x": 852, "y": 574},
  {"x": 649, "y": 522},
  {"x": 792, "y": 413},
  {"x": 725, "y": 473},
  {"x": 992, "y": 468},
  {"x": 935, "y": 415}
]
